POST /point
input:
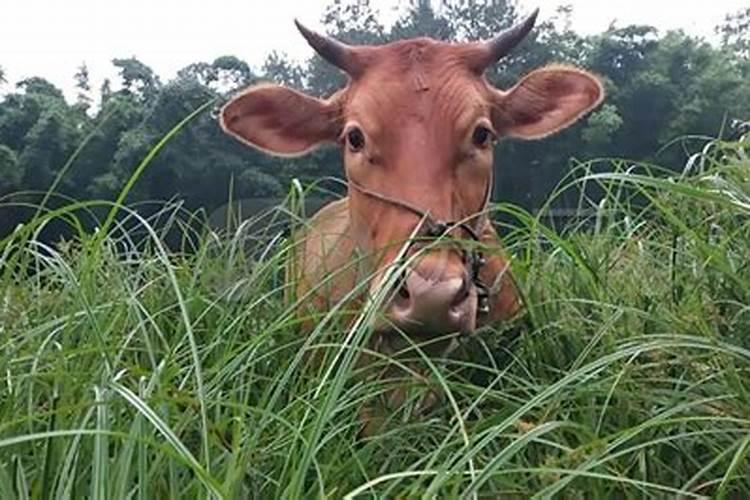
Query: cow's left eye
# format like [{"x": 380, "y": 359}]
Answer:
[
  {"x": 356, "y": 139},
  {"x": 482, "y": 137}
]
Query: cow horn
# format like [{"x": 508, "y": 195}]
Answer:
[
  {"x": 502, "y": 44},
  {"x": 339, "y": 54}
]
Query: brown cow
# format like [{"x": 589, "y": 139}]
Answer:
[{"x": 416, "y": 124}]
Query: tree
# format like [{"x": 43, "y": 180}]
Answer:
[
  {"x": 224, "y": 74},
  {"x": 735, "y": 33},
  {"x": 601, "y": 127},
  {"x": 105, "y": 91},
  {"x": 619, "y": 53},
  {"x": 479, "y": 20},
  {"x": 659, "y": 87},
  {"x": 202, "y": 72},
  {"x": 421, "y": 20},
  {"x": 351, "y": 21},
  {"x": 231, "y": 72},
  {"x": 10, "y": 173},
  {"x": 117, "y": 115},
  {"x": 20, "y": 110},
  {"x": 278, "y": 68},
  {"x": 137, "y": 79},
  {"x": 36, "y": 86},
  {"x": 474, "y": 21},
  {"x": 47, "y": 146},
  {"x": 667, "y": 87},
  {"x": 82, "y": 83}
]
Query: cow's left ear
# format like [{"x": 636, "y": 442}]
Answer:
[{"x": 545, "y": 101}]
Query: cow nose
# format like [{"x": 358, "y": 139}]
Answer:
[{"x": 427, "y": 306}]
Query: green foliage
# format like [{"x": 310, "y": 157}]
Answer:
[
  {"x": 10, "y": 173},
  {"x": 422, "y": 20},
  {"x": 137, "y": 78},
  {"x": 735, "y": 32},
  {"x": 36, "y": 86},
  {"x": 47, "y": 144},
  {"x": 660, "y": 87},
  {"x": 133, "y": 371},
  {"x": 601, "y": 127},
  {"x": 278, "y": 69},
  {"x": 83, "y": 99},
  {"x": 254, "y": 182},
  {"x": 225, "y": 71}
]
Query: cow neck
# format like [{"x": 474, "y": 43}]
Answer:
[{"x": 436, "y": 228}]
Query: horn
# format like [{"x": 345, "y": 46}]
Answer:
[
  {"x": 502, "y": 44},
  {"x": 339, "y": 54}
]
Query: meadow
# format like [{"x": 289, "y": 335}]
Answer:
[{"x": 130, "y": 368}]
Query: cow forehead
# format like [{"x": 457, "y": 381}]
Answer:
[
  {"x": 417, "y": 80},
  {"x": 417, "y": 104}
]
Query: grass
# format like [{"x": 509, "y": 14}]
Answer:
[{"x": 132, "y": 370}]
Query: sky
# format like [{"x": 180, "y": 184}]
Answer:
[{"x": 51, "y": 38}]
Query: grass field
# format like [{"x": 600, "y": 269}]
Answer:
[{"x": 128, "y": 370}]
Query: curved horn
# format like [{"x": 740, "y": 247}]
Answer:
[
  {"x": 502, "y": 44},
  {"x": 337, "y": 53}
]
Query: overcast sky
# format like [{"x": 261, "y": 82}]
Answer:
[{"x": 51, "y": 38}]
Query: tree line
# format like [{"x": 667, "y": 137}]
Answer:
[{"x": 659, "y": 87}]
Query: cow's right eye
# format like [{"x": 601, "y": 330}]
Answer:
[
  {"x": 355, "y": 139},
  {"x": 482, "y": 137}
]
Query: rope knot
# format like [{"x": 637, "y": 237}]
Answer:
[{"x": 437, "y": 229}]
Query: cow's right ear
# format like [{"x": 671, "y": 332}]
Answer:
[{"x": 281, "y": 121}]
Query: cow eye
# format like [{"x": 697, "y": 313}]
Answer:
[
  {"x": 355, "y": 139},
  {"x": 482, "y": 137}
]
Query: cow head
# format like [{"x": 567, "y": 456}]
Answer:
[{"x": 416, "y": 124}]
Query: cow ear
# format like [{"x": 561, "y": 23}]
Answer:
[
  {"x": 281, "y": 121},
  {"x": 545, "y": 101}
]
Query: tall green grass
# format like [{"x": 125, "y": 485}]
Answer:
[{"x": 129, "y": 369}]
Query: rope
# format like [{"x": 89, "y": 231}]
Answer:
[{"x": 437, "y": 228}]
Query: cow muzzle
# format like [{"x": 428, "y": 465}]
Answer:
[{"x": 428, "y": 303}]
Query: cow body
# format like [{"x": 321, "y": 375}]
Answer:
[
  {"x": 416, "y": 124},
  {"x": 328, "y": 266}
]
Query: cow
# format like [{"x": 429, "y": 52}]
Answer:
[{"x": 416, "y": 123}]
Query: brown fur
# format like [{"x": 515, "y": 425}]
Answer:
[{"x": 418, "y": 103}]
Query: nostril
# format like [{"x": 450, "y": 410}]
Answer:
[
  {"x": 463, "y": 292},
  {"x": 403, "y": 292},
  {"x": 402, "y": 302}
]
